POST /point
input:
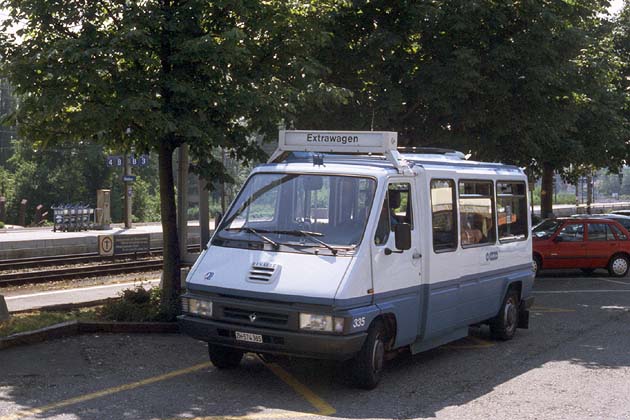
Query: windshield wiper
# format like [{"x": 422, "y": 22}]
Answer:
[
  {"x": 257, "y": 233},
  {"x": 311, "y": 235}
]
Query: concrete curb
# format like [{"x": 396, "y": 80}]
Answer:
[{"x": 71, "y": 328}]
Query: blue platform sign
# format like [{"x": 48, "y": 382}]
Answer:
[
  {"x": 142, "y": 160},
  {"x": 129, "y": 178},
  {"x": 114, "y": 161}
]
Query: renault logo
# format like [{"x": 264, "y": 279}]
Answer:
[{"x": 252, "y": 317}]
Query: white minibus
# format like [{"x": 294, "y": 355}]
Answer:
[{"x": 345, "y": 247}]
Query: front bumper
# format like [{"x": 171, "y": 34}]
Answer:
[{"x": 318, "y": 346}]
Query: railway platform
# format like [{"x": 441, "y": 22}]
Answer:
[{"x": 19, "y": 243}]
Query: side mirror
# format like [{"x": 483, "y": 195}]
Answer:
[
  {"x": 558, "y": 239},
  {"x": 402, "y": 232}
]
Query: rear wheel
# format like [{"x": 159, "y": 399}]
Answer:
[
  {"x": 367, "y": 366},
  {"x": 537, "y": 262},
  {"x": 503, "y": 326},
  {"x": 224, "y": 357},
  {"x": 618, "y": 265}
]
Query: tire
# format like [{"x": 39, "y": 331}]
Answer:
[
  {"x": 503, "y": 326},
  {"x": 224, "y": 357},
  {"x": 537, "y": 264},
  {"x": 367, "y": 366},
  {"x": 618, "y": 265},
  {"x": 587, "y": 271}
]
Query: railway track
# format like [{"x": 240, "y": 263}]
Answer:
[
  {"x": 60, "y": 260},
  {"x": 44, "y": 276},
  {"x": 26, "y": 271}
]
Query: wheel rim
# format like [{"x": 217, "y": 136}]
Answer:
[
  {"x": 535, "y": 266},
  {"x": 619, "y": 266},
  {"x": 510, "y": 315},
  {"x": 378, "y": 351}
]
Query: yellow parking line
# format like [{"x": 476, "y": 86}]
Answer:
[
  {"x": 254, "y": 416},
  {"x": 103, "y": 393},
  {"x": 542, "y": 309},
  {"x": 323, "y": 408}
]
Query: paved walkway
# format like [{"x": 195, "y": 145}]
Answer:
[{"x": 39, "y": 300}]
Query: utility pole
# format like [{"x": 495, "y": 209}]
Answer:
[
  {"x": 182, "y": 200},
  {"x": 589, "y": 192},
  {"x": 204, "y": 214},
  {"x": 128, "y": 191}
]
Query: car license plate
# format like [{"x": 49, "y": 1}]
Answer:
[{"x": 252, "y": 338}]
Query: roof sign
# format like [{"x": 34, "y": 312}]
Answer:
[
  {"x": 348, "y": 142},
  {"x": 337, "y": 141}
]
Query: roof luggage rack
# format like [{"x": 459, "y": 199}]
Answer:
[
  {"x": 365, "y": 143},
  {"x": 431, "y": 151}
]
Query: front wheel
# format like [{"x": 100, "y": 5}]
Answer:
[
  {"x": 618, "y": 265},
  {"x": 224, "y": 357},
  {"x": 503, "y": 326},
  {"x": 367, "y": 366}
]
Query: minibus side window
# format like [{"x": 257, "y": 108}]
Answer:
[
  {"x": 383, "y": 227},
  {"x": 400, "y": 204},
  {"x": 443, "y": 212},
  {"x": 512, "y": 211},
  {"x": 476, "y": 212}
]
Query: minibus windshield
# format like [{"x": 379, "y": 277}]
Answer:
[{"x": 323, "y": 211}]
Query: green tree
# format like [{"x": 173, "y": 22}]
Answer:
[
  {"x": 533, "y": 83},
  {"x": 193, "y": 72},
  {"x": 66, "y": 174}
]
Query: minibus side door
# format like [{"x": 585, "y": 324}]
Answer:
[{"x": 396, "y": 274}]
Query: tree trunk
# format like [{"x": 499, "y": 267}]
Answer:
[
  {"x": 171, "y": 276},
  {"x": 546, "y": 191}
]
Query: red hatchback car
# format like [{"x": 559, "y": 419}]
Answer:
[{"x": 583, "y": 243}]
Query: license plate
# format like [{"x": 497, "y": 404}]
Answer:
[{"x": 252, "y": 338}]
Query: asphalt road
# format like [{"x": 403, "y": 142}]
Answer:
[{"x": 573, "y": 363}]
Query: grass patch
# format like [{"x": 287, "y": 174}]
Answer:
[
  {"x": 35, "y": 320},
  {"x": 138, "y": 305}
]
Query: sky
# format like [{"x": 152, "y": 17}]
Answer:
[{"x": 615, "y": 6}]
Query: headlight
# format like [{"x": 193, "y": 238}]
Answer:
[
  {"x": 315, "y": 322},
  {"x": 197, "y": 307}
]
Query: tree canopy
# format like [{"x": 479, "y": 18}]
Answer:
[{"x": 534, "y": 83}]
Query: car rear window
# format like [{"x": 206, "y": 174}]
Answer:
[
  {"x": 622, "y": 236},
  {"x": 600, "y": 232}
]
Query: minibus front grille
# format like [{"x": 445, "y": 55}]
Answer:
[
  {"x": 254, "y": 317},
  {"x": 263, "y": 274}
]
